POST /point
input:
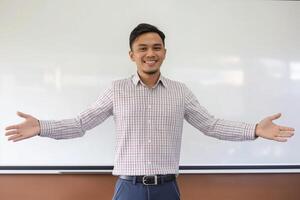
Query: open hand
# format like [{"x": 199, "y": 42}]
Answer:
[
  {"x": 267, "y": 129},
  {"x": 29, "y": 128}
]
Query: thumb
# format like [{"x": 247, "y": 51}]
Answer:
[
  {"x": 23, "y": 115},
  {"x": 276, "y": 116}
]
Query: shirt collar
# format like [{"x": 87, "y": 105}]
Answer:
[{"x": 136, "y": 80}]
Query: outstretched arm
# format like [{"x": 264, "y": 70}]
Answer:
[
  {"x": 268, "y": 130},
  {"x": 27, "y": 129},
  {"x": 199, "y": 117},
  {"x": 97, "y": 112}
]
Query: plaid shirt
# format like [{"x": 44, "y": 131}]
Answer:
[{"x": 148, "y": 123}]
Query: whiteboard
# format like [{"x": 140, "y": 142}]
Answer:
[{"x": 240, "y": 58}]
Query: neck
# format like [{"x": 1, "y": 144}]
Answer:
[{"x": 149, "y": 79}]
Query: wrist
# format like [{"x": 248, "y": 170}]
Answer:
[
  {"x": 257, "y": 130},
  {"x": 37, "y": 127}
]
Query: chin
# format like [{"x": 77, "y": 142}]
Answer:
[{"x": 151, "y": 72}]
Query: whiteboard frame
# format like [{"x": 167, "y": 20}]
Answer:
[{"x": 204, "y": 169}]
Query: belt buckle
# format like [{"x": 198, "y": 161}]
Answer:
[{"x": 145, "y": 179}]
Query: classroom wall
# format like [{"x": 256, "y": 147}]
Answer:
[{"x": 193, "y": 187}]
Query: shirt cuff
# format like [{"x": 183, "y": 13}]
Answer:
[
  {"x": 46, "y": 128},
  {"x": 250, "y": 132}
]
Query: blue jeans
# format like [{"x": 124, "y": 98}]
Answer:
[{"x": 129, "y": 190}]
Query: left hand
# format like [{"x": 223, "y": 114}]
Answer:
[{"x": 268, "y": 130}]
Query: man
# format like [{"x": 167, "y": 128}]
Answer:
[{"x": 148, "y": 110}]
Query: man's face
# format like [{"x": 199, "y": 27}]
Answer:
[{"x": 148, "y": 52}]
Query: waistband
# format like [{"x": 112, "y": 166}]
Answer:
[{"x": 151, "y": 179}]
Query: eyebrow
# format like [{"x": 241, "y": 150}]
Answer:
[{"x": 144, "y": 45}]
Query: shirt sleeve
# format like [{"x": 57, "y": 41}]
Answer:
[
  {"x": 199, "y": 117},
  {"x": 97, "y": 112}
]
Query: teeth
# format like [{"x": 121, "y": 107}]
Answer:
[{"x": 150, "y": 62}]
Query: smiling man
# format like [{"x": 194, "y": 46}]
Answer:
[
  {"x": 149, "y": 111},
  {"x": 147, "y": 50}
]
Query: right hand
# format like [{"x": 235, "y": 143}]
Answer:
[{"x": 27, "y": 129}]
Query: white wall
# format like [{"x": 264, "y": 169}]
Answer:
[{"x": 240, "y": 58}]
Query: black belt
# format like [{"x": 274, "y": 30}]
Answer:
[{"x": 150, "y": 180}]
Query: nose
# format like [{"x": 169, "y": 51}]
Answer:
[{"x": 150, "y": 53}]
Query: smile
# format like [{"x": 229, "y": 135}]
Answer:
[{"x": 150, "y": 62}]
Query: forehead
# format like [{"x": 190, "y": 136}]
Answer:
[{"x": 148, "y": 39}]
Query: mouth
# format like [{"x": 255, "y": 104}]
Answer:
[{"x": 150, "y": 62}]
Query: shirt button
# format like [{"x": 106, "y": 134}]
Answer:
[{"x": 149, "y": 141}]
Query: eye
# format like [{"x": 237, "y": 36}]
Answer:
[
  {"x": 142, "y": 49},
  {"x": 157, "y": 48}
]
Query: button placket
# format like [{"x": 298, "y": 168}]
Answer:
[{"x": 149, "y": 121}]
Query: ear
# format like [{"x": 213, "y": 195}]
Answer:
[{"x": 131, "y": 55}]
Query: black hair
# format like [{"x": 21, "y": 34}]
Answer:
[{"x": 144, "y": 28}]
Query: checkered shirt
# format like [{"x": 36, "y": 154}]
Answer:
[{"x": 149, "y": 124}]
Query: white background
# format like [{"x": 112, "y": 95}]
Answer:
[{"x": 240, "y": 58}]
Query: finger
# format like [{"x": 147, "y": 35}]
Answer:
[
  {"x": 284, "y": 128},
  {"x": 18, "y": 139},
  {"x": 15, "y": 126},
  {"x": 14, "y": 137},
  {"x": 11, "y": 132},
  {"x": 276, "y": 116},
  {"x": 285, "y": 134},
  {"x": 23, "y": 115},
  {"x": 280, "y": 139}
]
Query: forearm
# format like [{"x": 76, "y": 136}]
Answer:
[
  {"x": 61, "y": 129},
  {"x": 229, "y": 130}
]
